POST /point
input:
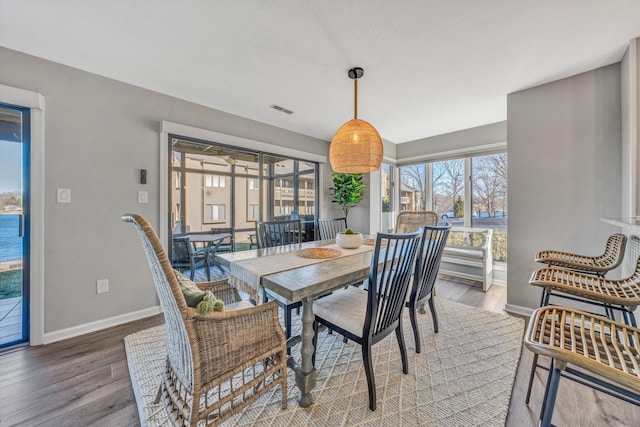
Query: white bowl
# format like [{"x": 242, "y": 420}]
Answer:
[{"x": 349, "y": 241}]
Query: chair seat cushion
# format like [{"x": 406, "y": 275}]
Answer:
[
  {"x": 192, "y": 294},
  {"x": 346, "y": 309}
]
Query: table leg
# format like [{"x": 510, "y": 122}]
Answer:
[{"x": 305, "y": 372}]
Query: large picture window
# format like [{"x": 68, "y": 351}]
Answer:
[{"x": 479, "y": 201}]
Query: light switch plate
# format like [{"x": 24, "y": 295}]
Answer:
[
  {"x": 102, "y": 286},
  {"x": 143, "y": 197},
  {"x": 64, "y": 195}
]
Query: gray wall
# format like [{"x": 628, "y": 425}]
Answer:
[
  {"x": 461, "y": 140},
  {"x": 99, "y": 133},
  {"x": 564, "y": 171}
]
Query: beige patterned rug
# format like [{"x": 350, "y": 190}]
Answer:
[{"x": 463, "y": 377}]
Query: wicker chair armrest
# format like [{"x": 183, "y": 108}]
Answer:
[
  {"x": 230, "y": 339},
  {"x": 222, "y": 289},
  {"x": 592, "y": 342}
]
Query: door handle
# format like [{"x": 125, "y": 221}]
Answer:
[{"x": 21, "y": 225}]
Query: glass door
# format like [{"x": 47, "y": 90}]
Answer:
[{"x": 14, "y": 229}]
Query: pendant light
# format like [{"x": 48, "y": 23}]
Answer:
[{"x": 356, "y": 147}]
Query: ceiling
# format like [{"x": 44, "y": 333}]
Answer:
[{"x": 431, "y": 67}]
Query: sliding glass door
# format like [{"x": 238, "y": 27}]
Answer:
[{"x": 14, "y": 225}]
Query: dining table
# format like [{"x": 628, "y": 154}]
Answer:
[{"x": 285, "y": 272}]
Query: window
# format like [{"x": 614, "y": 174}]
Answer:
[
  {"x": 442, "y": 188},
  {"x": 214, "y": 212},
  {"x": 214, "y": 181},
  {"x": 234, "y": 187},
  {"x": 413, "y": 188},
  {"x": 489, "y": 192},
  {"x": 254, "y": 213},
  {"x": 387, "y": 214},
  {"x": 448, "y": 189}
]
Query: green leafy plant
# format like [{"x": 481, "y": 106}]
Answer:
[
  {"x": 348, "y": 231},
  {"x": 458, "y": 208},
  {"x": 347, "y": 191}
]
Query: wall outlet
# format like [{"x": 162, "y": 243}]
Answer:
[
  {"x": 102, "y": 286},
  {"x": 63, "y": 195}
]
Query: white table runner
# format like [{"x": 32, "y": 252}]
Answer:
[{"x": 246, "y": 274}]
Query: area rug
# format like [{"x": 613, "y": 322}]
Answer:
[{"x": 463, "y": 377}]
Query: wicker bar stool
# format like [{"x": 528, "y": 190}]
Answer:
[
  {"x": 592, "y": 343},
  {"x": 621, "y": 295},
  {"x": 599, "y": 265}
]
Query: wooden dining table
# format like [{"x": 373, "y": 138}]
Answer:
[{"x": 306, "y": 283}]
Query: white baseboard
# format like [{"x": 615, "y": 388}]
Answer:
[
  {"x": 74, "y": 331},
  {"x": 519, "y": 310}
]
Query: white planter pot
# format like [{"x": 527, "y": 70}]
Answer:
[{"x": 349, "y": 241}]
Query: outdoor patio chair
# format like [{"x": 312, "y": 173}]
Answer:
[
  {"x": 368, "y": 316},
  {"x": 424, "y": 277},
  {"x": 184, "y": 255},
  {"x": 219, "y": 362}
]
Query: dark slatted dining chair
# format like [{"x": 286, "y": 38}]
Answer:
[
  {"x": 368, "y": 316},
  {"x": 424, "y": 277},
  {"x": 278, "y": 233},
  {"x": 184, "y": 255},
  {"x": 328, "y": 228}
]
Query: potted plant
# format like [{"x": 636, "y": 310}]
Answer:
[
  {"x": 349, "y": 239},
  {"x": 347, "y": 191}
]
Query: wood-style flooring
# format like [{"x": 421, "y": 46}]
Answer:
[{"x": 84, "y": 381}]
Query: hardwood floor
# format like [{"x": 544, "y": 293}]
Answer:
[{"x": 85, "y": 381}]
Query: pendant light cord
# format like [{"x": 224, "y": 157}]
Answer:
[{"x": 355, "y": 99}]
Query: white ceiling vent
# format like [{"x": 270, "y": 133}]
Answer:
[{"x": 279, "y": 108}]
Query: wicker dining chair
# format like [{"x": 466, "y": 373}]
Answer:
[
  {"x": 368, "y": 316},
  {"x": 216, "y": 363},
  {"x": 328, "y": 228},
  {"x": 606, "y": 352},
  {"x": 599, "y": 265},
  {"x": 424, "y": 277},
  {"x": 410, "y": 221}
]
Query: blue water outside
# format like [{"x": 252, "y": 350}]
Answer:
[{"x": 10, "y": 242}]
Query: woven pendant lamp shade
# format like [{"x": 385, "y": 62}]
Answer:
[{"x": 356, "y": 148}]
